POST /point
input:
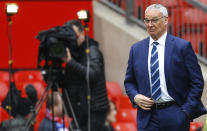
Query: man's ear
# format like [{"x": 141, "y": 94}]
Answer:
[{"x": 166, "y": 21}]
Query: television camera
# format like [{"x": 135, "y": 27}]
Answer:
[{"x": 52, "y": 49}]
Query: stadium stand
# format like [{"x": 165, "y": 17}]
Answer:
[{"x": 4, "y": 90}]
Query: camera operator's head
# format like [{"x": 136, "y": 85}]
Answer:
[{"x": 79, "y": 30}]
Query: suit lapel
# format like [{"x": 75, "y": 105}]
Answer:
[
  {"x": 168, "y": 55},
  {"x": 145, "y": 62}
]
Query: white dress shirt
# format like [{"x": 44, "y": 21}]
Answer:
[{"x": 161, "y": 55}]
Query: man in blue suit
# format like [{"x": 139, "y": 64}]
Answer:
[{"x": 163, "y": 77}]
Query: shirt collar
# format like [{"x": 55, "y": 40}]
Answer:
[{"x": 161, "y": 40}]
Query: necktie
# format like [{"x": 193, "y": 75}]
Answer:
[{"x": 155, "y": 75}]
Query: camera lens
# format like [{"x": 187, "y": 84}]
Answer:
[{"x": 57, "y": 50}]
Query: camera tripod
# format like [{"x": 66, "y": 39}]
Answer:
[{"x": 53, "y": 85}]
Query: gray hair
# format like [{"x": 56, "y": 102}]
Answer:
[{"x": 160, "y": 7}]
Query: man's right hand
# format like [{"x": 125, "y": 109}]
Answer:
[
  {"x": 68, "y": 56},
  {"x": 144, "y": 102}
]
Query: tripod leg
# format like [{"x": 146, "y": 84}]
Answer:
[{"x": 71, "y": 109}]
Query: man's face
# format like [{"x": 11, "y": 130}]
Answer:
[
  {"x": 80, "y": 35},
  {"x": 156, "y": 23}
]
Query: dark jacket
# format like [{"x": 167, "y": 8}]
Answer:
[
  {"x": 46, "y": 125},
  {"x": 75, "y": 80}
]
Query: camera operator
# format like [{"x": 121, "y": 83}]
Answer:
[{"x": 76, "y": 85}]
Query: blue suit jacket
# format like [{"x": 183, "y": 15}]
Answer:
[{"x": 183, "y": 75}]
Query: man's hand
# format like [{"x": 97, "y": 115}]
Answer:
[
  {"x": 144, "y": 102},
  {"x": 68, "y": 56}
]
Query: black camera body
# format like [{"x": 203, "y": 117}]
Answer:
[
  {"x": 53, "y": 42},
  {"x": 52, "y": 49}
]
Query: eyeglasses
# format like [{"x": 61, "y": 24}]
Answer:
[{"x": 153, "y": 21}]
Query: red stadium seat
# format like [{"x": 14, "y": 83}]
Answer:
[
  {"x": 141, "y": 5},
  {"x": 182, "y": 18},
  {"x": 126, "y": 115},
  {"x": 171, "y": 3},
  {"x": 4, "y": 77},
  {"x": 125, "y": 103},
  {"x": 32, "y": 75},
  {"x": 195, "y": 125},
  {"x": 195, "y": 16},
  {"x": 114, "y": 86},
  {"x": 195, "y": 38},
  {"x": 127, "y": 126},
  {"x": 114, "y": 92},
  {"x": 203, "y": 1},
  {"x": 4, "y": 115},
  {"x": 113, "y": 89},
  {"x": 205, "y": 40},
  {"x": 4, "y": 90}
]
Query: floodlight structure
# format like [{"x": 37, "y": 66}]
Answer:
[
  {"x": 11, "y": 9},
  {"x": 83, "y": 15}
]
